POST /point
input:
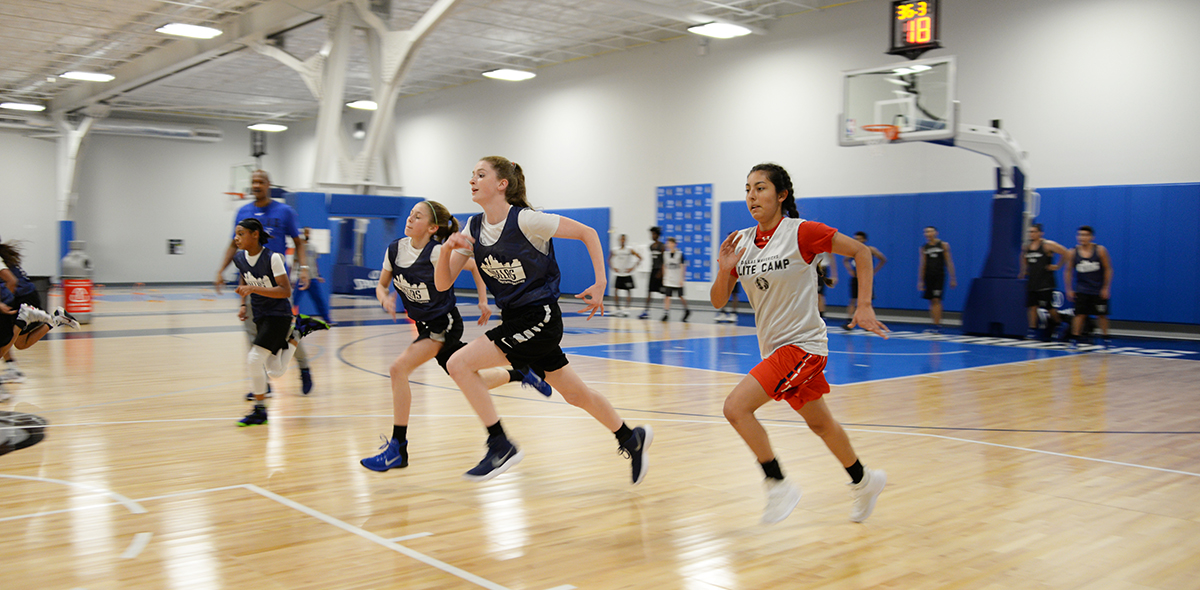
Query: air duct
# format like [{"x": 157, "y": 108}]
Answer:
[{"x": 125, "y": 127}]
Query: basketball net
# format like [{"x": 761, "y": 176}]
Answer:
[{"x": 880, "y": 136}]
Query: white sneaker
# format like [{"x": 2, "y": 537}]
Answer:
[
  {"x": 782, "y": 498},
  {"x": 32, "y": 315},
  {"x": 62, "y": 318},
  {"x": 12, "y": 375},
  {"x": 865, "y": 492}
]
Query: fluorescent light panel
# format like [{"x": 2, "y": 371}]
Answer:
[
  {"x": 88, "y": 76},
  {"x": 267, "y": 127},
  {"x": 366, "y": 105},
  {"x": 510, "y": 75},
  {"x": 193, "y": 31},
  {"x": 22, "y": 106},
  {"x": 719, "y": 30}
]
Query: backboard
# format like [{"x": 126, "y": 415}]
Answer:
[{"x": 916, "y": 96}]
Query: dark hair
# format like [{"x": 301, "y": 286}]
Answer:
[
  {"x": 10, "y": 254},
  {"x": 1088, "y": 229},
  {"x": 783, "y": 183},
  {"x": 510, "y": 171},
  {"x": 931, "y": 227},
  {"x": 861, "y": 233},
  {"x": 1037, "y": 226},
  {"x": 254, "y": 225},
  {"x": 656, "y": 230},
  {"x": 445, "y": 222}
]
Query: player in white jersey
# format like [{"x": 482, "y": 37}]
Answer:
[
  {"x": 673, "y": 269},
  {"x": 775, "y": 264},
  {"x": 621, "y": 260}
]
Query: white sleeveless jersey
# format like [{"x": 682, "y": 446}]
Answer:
[{"x": 782, "y": 289}]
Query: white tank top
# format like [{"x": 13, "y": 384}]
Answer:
[{"x": 782, "y": 289}]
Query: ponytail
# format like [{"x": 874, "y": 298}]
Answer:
[
  {"x": 783, "y": 182},
  {"x": 445, "y": 222},
  {"x": 10, "y": 255},
  {"x": 510, "y": 171}
]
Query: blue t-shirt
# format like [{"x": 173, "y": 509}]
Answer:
[{"x": 278, "y": 219}]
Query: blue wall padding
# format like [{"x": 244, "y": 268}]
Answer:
[
  {"x": 1146, "y": 229},
  {"x": 572, "y": 256}
]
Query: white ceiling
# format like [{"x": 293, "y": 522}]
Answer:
[{"x": 41, "y": 39}]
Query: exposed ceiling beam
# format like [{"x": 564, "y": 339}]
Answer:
[
  {"x": 691, "y": 18},
  {"x": 180, "y": 54}
]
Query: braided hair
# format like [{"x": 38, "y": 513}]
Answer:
[{"x": 783, "y": 183}]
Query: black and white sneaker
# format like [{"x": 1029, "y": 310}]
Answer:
[
  {"x": 62, "y": 318},
  {"x": 635, "y": 449},
  {"x": 501, "y": 456}
]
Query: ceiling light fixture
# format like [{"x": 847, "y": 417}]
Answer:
[
  {"x": 509, "y": 75},
  {"x": 88, "y": 76},
  {"x": 366, "y": 105},
  {"x": 22, "y": 106},
  {"x": 719, "y": 30},
  {"x": 192, "y": 31},
  {"x": 267, "y": 127}
]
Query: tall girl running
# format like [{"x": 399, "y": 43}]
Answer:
[
  {"x": 775, "y": 264},
  {"x": 263, "y": 276},
  {"x": 409, "y": 266},
  {"x": 510, "y": 242}
]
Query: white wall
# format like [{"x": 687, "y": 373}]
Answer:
[
  {"x": 1097, "y": 91},
  {"x": 27, "y": 196},
  {"x": 136, "y": 193}
]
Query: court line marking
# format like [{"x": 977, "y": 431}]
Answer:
[
  {"x": 900, "y": 353},
  {"x": 421, "y": 557},
  {"x": 135, "y": 548},
  {"x": 139, "y": 540},
  {"x": 410, "y": 537}
]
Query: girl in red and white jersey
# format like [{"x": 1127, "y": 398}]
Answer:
[{"x": 775, "y": 263}]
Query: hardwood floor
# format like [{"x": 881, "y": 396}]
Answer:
[{"x": 1077, "y": 471}]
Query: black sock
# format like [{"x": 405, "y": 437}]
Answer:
[
  {"x": 514, "y": 376},
  {"x": 496, "y": 430},
  {"x": 623, "y": 433},
  {"x": 771, "y": 469},
  {"x": 400, "y": 433},
  {"x": 260, "y": 406},
  {"x": 855, "y": 471}
]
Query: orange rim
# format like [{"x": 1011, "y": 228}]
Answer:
[{"x": 891, "y": 131}]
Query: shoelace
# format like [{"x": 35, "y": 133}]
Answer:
[{"x": 386, "y": 442}]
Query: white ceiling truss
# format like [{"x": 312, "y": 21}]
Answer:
[{"x": 159, "y": 76}]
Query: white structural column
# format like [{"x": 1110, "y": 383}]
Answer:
[
  {"x": 390, "y": 56},
  {"x": 70, "y": 144}
]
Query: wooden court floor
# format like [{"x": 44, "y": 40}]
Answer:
[{"x": 1072, "y": 472}]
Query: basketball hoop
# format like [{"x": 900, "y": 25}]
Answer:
[
  {"x": 237, "y": 196},
  {"x": 881, "y": 134}
]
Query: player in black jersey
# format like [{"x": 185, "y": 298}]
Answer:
[
  {"x": 1087, "y": 275},
  {"x": 656, "y": 268},
  {"x": 1038, "y": 264},
  {"x": 931, "y": 274}
]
